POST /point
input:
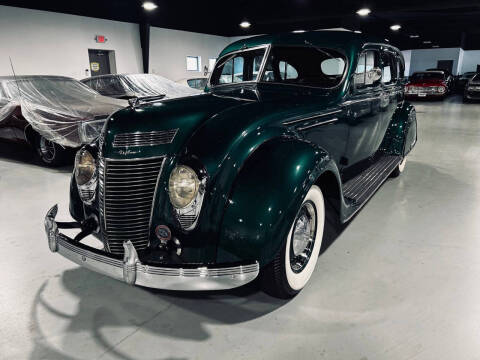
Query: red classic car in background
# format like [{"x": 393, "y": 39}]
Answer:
[{"x": 431, "y": 84}]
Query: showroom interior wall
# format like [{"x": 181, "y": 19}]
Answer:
[
  {"x": 470, "y": 60},
  {"x": 423, "y": 59},
  {"x": 170, "y": 48},
  {"x": 59, "y": 43}
]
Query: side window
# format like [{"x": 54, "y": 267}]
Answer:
[
  {"x": 389, "y": 68},
  {"x": 400, "y": 68},
  {"x": 364, "y": 76},
  {"x": 287, "y": 71}
]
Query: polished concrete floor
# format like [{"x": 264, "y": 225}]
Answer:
[{"x": 400, "y": 282}]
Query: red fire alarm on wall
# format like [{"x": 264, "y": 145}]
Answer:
[{"x": 100, "y": 39}]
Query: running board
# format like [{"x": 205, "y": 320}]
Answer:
[{"x": 359, "y": 189}]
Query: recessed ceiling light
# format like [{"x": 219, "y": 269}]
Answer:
[
  {"x": 414, "y": 36},
  {"x": 427, "y": 42},
  {"x": 387, "y": 40},
  {"x": 245, "y": 24},
  {"x": 364, "y": 12},
  {"x": 435, "y": 46},
  {"x": 149, "y": 6},
  {"x": 298, "y": 31},
  {"x": 357, "y": 31},
  {"x": 395, "y": 27}
]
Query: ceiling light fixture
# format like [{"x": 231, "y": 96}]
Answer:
[
  {"x": 435, "y": 46},
  {"x": 245, "y": 24},
  {"x": 364, "y": 12},
  {"x": 298, "y": 31},
  {"x": 149, "y": 6},
  {"x": 427, "y": 42},
  {"x": 395, "y": 27},
  {"x": 387, "y": 40},
  {"x": 414, "y": 36},
  {"x": 357, "y": 31}
]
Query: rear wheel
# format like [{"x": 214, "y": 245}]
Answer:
[
  {"x": 294, "y": 264},
  {"x": 50, "y": 153}
]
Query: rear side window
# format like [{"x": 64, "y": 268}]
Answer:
[{"x": 306, "y": 66}]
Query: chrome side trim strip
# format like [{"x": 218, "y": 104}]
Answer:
[
  {"x": 318, "y": 124},
  {"x": 291, "y": 122}
]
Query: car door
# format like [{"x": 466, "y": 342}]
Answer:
[{"x": 365, "y": 106}]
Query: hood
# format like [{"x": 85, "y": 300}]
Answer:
[{"x": 207, "y": 125}]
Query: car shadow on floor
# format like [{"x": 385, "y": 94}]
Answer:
[{"x": 22, "y": 154}]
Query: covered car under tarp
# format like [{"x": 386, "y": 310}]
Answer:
[
  {"x": 138, "y": 85},
  {"x": 61, "y": 109}
]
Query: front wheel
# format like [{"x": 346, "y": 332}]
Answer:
[
  {"x": 50, "y": 153},
  {"x": 294, "y": 264}
]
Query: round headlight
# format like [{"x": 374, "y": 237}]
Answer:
[
  {"x": 84, "y": 167},
  {"x": 441, "y": 89},
  {"x": 182, "y": 186}
]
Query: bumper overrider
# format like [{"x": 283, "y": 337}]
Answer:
[{"x": 131, "y": 270}]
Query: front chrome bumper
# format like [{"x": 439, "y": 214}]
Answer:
[{"x": 133, "y": 272}]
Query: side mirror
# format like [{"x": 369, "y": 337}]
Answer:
[{"x": 374, "y": 75}]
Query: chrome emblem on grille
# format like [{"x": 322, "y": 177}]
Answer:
[{"x": 127, "y": 152}]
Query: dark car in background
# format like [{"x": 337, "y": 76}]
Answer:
[
  {"x": 205, "y": 192},
  {"x": 129, "y": 86},
  {"x": 472, "y": 89},
  {"x": 427, "y": 84},
  {"x": 53, "y": 114},
  {"x": 463, "y": 80},
  {"x": 449, "y": 79}
]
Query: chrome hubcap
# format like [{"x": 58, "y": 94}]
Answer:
[
  {"x": 303, "y": 237},
  {"x": 47, "y": 149}
]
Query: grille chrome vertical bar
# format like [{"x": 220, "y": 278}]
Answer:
[{"x": 119, "y": 202}]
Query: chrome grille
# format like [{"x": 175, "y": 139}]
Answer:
[
  {"x": 126, "y": 193},
  {"x": 144, "y": 138},
  {"x": 186, "y": 220}
]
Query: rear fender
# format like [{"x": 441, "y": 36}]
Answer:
[
  {"x": 266, "y": 196},
  {"x": 402, "y": 133}
]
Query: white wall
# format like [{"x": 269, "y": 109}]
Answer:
[
  {"x": 423, "y": 59},
  {"x": 170, "y": 48},
  {"x": 471, "y": 58},
  {"x": 47, "y": 43}
]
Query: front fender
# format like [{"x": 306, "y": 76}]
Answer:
[{"x": 265, "y": 198}]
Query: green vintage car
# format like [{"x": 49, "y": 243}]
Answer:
[{"x": 210, "y": 191}]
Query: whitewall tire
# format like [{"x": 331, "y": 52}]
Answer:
[
  {"x": 294, "y": 264},
  {"x": 400, "y": 168}
]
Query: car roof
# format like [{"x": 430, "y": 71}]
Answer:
[
  {"x": 35, "y": 77},
  {"x": 323, "y": 38}
]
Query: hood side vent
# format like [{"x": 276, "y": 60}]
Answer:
[{"x": 151, "y": 138}]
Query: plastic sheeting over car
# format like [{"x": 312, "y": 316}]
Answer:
[
  {"x": 138, "y": 85},
  {"x": 56, "y": 107}
]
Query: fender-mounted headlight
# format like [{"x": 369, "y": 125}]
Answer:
[
  {"x": 85, "y": 175},
  {"x": 183, "y": 186}
]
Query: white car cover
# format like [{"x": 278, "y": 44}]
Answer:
[
  {"x": 57, "y": 107},
  {"x": 138, "y": 85}
]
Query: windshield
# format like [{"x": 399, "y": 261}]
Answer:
[
  {"x": 239, "y": 67},
  {"x": 426, "y": 76},
  {"x": 307, "y": 66}
]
